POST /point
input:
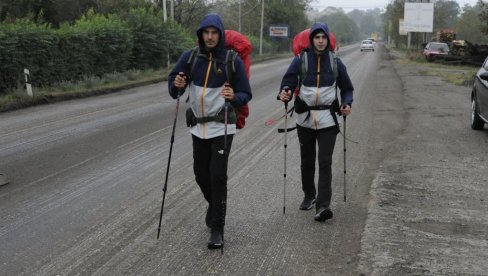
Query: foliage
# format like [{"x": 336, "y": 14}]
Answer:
[
  {"x": 188, "y": 13},
  {"x": 288, "y": 12},
  {"x": 267, "y": 45},
  {"x": 483, "y": 16},
  {"x": 69, "y": 40},
  {"x": 94, "y": 45},
  {"x": 56, "y": 12},
  {"x": 26, "y": 45},
  {"x": 249, "y": 18},
  {"x": 343, "y": 27},
  {"x": 445, "y": 14},
  {"x": 394, "y": 11},
  {"x": 110, "y": 39},
  {"x": 153, "y": 39},
  {"x": 369, "y": 21},
  {"x": 468, "y": 25},
  {"x": 276, "y": 12}
]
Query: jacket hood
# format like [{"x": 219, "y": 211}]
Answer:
[
  {"x": 318, "y": 27},
  {"x": 212, "y": 20}
]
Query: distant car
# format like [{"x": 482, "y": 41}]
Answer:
[
  {"x": 372, "y": 39},
  {"x": 366, "y": 45},
  {"x": 479, "y": 98},
  {"x": 433, "y": 49}
]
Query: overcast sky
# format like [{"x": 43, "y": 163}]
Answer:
[{"x": 349, "y": 5}]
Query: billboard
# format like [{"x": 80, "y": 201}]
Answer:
[
  {"x": 418, "y": 17},
  {"x": 401, "y": 27},
  {"x": 278, "y": 31}
]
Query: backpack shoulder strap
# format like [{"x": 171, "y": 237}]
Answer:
[
  {"x": 193, "y": 59},
  {"x": 333, "y": 64},
  {"x": 230, "y": 67},
  {"x": 303, "y": 65}
]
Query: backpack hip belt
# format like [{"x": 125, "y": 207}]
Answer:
[
  {"x": 192, "y": 120},
  {"x": 302, "y": 107}
]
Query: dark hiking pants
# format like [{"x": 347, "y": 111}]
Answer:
[
  {"x": 309, "y": 138},
  {"x": 210, "y": 168}
]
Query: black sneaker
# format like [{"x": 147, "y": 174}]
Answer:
[
  {"x": 323, "y": 214},
  {"x": 307, "y": 203},
  {"x": 215, "y": 241}
]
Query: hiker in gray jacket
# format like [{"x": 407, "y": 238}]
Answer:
[{"x": 317, "y": 106}]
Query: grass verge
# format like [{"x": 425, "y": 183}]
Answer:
[
  {"x": 92, "y": 86},
  {"x": 456, "y": 74}
]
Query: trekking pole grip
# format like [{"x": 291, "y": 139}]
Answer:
[
  {"x": 286, "y": 89},
  {"x": 181, "y": 90}
]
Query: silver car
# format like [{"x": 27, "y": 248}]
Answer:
[
  {"x": 367, "y": 45},
  {"x": 479, "y": 98}
]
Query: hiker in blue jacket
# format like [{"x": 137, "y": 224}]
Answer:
[
  {"x": 207, "y": 83},
  {"x": 316, "y": 106}
]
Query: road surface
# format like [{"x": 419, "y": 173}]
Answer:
[{"x": 86, "y": 180}]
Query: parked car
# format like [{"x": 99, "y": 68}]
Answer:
[
  {"x": 433, "y": 49},
  {"x": 479, "y": 98},
  {"x": 366, "y": 45}
]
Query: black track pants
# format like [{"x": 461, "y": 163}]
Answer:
[
  {"x": 210, "y": 168},
  {"x": 325, "y": 138}
]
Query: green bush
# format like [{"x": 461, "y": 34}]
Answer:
[
  {"x": 154, "y": 39},
  {"x": 267, "y": 46},
  {"x": 25, "y": 45},
  {"x": 93, "y": 46},
  {"x": 111, "y": 43}
]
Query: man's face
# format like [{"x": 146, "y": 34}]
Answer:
[
  {"x": 320, "y": 41},
  {"x": 210, "y": 37}
]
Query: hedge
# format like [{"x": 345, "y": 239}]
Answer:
[{"x": 94, "y": 45}]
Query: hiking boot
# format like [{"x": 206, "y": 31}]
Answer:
[
  {"x": 215, "y": 241},
  {"x": 307, "y": 203},
  {"x": 207, "y": 218},
  {"x": 323, "y": 214}
]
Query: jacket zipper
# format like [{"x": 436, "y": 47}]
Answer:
[
  {"x": 202, "y": 102},
  {"x": 317, "y": 94}
]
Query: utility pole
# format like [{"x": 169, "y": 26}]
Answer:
[
  {"x": 172, "y": 12},
  {"x": 165, "y": 15},
  {"x": 239, "y": 15},
  {"x": 261, "y": 34}
]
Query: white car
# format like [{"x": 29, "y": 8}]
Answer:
[{"x": 367, "y": 45}]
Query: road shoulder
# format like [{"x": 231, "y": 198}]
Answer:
[{"x": 428, "y": 208}]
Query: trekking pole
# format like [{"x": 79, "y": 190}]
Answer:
[
  {"x": 344, "y": 158},
  {"x": 180, "y": 91},
  {"x": 224, "y": 203},
  {"x": 285, "y": 146}
]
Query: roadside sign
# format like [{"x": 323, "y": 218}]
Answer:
[
  {"x": 419, "y": 17},
  {"x": 278, "y": 31}
]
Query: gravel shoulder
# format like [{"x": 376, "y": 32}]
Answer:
[{"x": 428, "y": 209}]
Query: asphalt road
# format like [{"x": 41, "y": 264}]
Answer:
[{"x": 87, "y": 176}]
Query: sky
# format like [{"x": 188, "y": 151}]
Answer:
[{"x": 348, "y": 5}]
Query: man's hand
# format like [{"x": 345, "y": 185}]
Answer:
[
  {"x": 227, "y": 92},
  {"x": 180, "y": 80},
  {"x": 285, "y": 95},
  {"x": 345, "y": 109}
]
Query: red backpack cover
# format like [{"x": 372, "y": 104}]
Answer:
[{"x": 243, "y": 47}]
